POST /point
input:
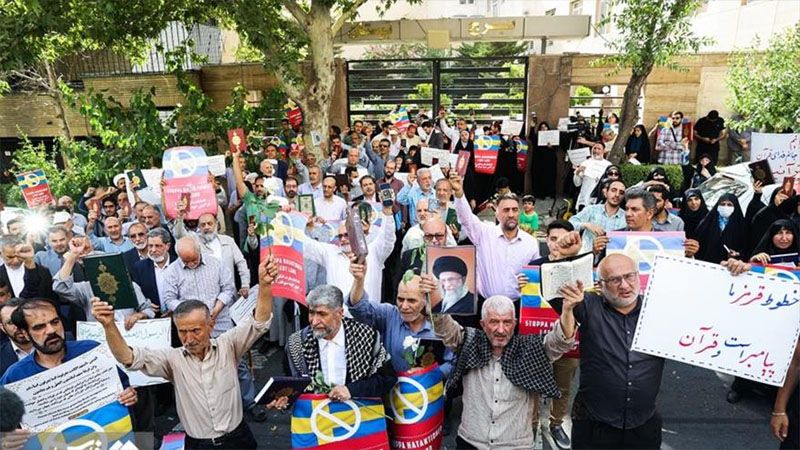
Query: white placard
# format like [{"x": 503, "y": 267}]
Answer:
[
  {"x": 429, "y": 154},
  {"x": 781, "y": 150},
  {"x": 548, "y": 137},
  {"x": 152, "y": 193},
  {"x": 216, "y": 165},
  {"x": 151, "y": 334},
  {"x": 514, "y": 127},
  {"x": 563, "y": 124},
  {"x": 82, "y": 384},
  {"x": 402, "y": 176},
  {"x": 244, "y": 307},
  {"x": 436, "y": 173},
  {"x": 579, "y": 155},
  {"x": 698, "y": 313}
]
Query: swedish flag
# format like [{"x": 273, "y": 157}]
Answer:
[
  {"x": 318, "y": 422},
  {"x": 108, "y": 424}
]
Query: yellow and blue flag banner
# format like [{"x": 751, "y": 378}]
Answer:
[
  {"x": 417, "y": 404},
  {"x": 285, "y": 242},
  {"x": 536, "y": 316},
  {"x": 101, "y": 428},
  {"x": 486, "y": 151},
  {"x": 35, "y": 188},
  {"x": 319, "y": 422},
  {"x": 400, "y": 119}
]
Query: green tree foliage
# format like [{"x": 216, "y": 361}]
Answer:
[
  {"x": 765, "y": 86},
  {"x": 581, "y": 91},
  {"x": 486, "y": 49},
  {"x": 651, "y": 33}
]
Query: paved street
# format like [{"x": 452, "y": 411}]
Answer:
[{"x": 692, "y": 401}]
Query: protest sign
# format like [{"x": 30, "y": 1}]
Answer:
[
  {"x": 244, "y": 307},
  {"x": 84, "y": 383},
  {"x": 319, "y": 423},
  {"x": 417, "y": 404},
  {"x": 781, "y": 150},
  {"x": 430, "y": 156},
  {"x": 513, "y": 127},
  {"x": 150, "y": 334},
  {"x": 186, "y": 170},
  {"x": 579, "y": 155},
  {"x": 106, "y": 427},
  {"x": 642, "y": 247},
  {"x": 35, "y": 188},
  {"x": 548, "y": 137},
  {"x": 151, "y": 192},
  {"x": 536, "y": 316},
  {"x": 563, "y": 124},
  {"x": 486, "y": 150},
  {"x": 216, "y": 165},
  {"x": 522, "y": 153},
  {"x": 698, "y": 313},
  {"x": 454, "y": 267},
  {"x": 400, "y": 119},
  {"x": 285, "y": 242}
]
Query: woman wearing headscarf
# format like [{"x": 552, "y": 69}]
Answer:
[
  {"x": 722, "y": 234},
  {"x": 705, "y": 169},
  {"x": 612, "y": 173},
  {"x": 781, "y": 238},
  {"x": 659, "y": 175},
  {"x": 638, "y": 145},
  {"x": 544, "y": 165},
  {"x": 779, "y": 207},
  {"x": 693, "y": 210}
]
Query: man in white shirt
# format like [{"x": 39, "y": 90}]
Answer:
[
  {"x": 331, "y": 207},
  {"x": 314, "y": 184}
]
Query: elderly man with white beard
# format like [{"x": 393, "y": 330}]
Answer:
[{"x": 220, "y": 246}]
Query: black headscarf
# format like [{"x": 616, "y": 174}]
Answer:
[
  {"x": 605, "y": 180},
  {"x": 692, "y": 218},
  {"x": 766, "y": 245},
  {"x": 639, "y": 145},
  {"x": 712, "y": 239},
  {"x": 661, "y": 171},
  {"x": 767, "y": 215}
]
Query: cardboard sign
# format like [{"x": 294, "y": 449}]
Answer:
[
  {"x": 35, "y": 188},
  {"x": 698, "y": 313},
  {"x": 186, "y": 170},
  {"x": 486, "y": 150}
]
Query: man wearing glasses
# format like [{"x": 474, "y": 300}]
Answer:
[
  {"x": 670, "y": 145},
  {"x": 616, "y": 402}
]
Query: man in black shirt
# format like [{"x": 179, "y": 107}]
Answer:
[
  {"x": 708, "y": 132},
  {"x": 616, "y": 402}
]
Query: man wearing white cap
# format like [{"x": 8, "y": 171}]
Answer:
[
  {"x": 66, "y": 220},
  {"x": 65, "y": 203}
]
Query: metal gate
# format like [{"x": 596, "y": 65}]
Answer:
[{"x": 483, "y": 88}]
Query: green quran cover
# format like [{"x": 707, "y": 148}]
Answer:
[{"x": 110, "y": 280}]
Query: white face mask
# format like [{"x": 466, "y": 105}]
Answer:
[{"x": 725, "y": 211}]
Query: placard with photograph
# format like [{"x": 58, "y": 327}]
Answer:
[
  {"x": 305, "y": 204},
  {"x": 454, "y": 267}
]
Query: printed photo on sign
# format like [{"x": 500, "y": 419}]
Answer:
[{"x": 454, "y": 268}]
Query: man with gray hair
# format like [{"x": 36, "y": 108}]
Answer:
[
  {"x": 412, "y": 193},
  {"x": 501, "y": 371},
  {"x": 349, "y": 354}
]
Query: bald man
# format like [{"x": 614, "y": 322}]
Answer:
[
  {"x": 114, "y": 241},
  {"x": 616, "y": 402}
]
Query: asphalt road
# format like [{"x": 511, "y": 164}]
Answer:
[{"x": 692, "y": 402}]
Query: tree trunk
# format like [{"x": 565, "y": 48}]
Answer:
[
  {"x": 319, "y": 75},
  {"x": 61, "y": 113},
  {"x": 629, "y": 115}
]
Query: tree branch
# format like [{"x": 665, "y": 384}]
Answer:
[
  {"x": 296, "y": 11},
  {"x": 346, "y": 14},
  {"x": 291, "y": 90}
]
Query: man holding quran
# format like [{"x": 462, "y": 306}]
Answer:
[{"x": 204, "y": 370}]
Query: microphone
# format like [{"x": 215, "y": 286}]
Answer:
[{"x": 12, "y": 411}]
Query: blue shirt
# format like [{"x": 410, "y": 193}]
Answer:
[
  {"x": 409, "y": 196},
  {"x": 104, "y": 244},
  {"x": 596, "y": 214},
  {"x": 28, "y": 367},
  {"x": 387, "y": 320},
  {"x": 50, "y": 259}
]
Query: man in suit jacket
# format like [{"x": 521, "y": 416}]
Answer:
[
  {"x": 18, "y": 346},
  {"x": 433, "y": 137},
  {"x": 147, "y": 272},
  {"x": 19, "y": 271}
]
